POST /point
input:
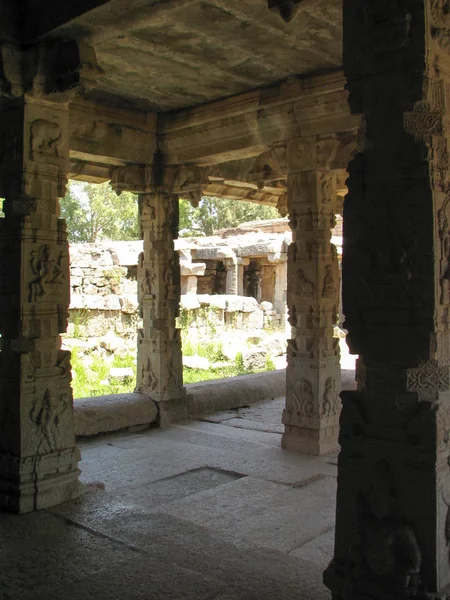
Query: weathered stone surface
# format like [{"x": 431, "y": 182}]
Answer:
[
  {"x": 393, "y": 465},
  {"x": 313, "y": 373},
  {"x": 222, "y": 394},
  {"x": 196, "y": 362},
  {"x": 159, "y": 368},
  {"x": 38, "y": 457},
  {"x": 254, "y": 359},
  {"x": 112, "y": 413}
]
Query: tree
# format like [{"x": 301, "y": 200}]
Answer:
[
  {"x": 94, "y": 212},
  {"x": 213, "y": 214}
]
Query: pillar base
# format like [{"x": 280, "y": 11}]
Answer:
[
  {"x": 38, "y": 482},
  {"x": 172, "y": 410},
  {"x": 317, "y": 442}
]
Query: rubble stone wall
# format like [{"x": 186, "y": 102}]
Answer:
[{"x": 104, "y": 298}]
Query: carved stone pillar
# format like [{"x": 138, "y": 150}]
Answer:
[
  {"x": 159, "y": 365},
  {"x": 159, "y": 358},
  {"x": 38, "y": 457},
  {"x": 392, "y": 523},
  {"x": 313, "y": 371}
]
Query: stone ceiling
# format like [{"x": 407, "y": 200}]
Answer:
[{"x": 170, "y": 54}]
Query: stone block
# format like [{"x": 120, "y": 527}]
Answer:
[
  {"x": 253, "y": 320},
  {"x": 189, "y": 302},
  {"x": 254, "y": 359},
  {"x": 250, "y": 305},
  {"x": 128, "y": 303},
  {"x": 76, "y": 272},
  {"x": 96, "y": 302},
  {"x": 112, "y": 413},
  {"x": 76, "y": 301},
  {"x": 111, "y": 342},
  {"x": 121, "y": 373},
  {"x": 267, "y": 305},
  {"x": 76, "y": 281},
  {"x": 112, "y": 302},
  {"x": 196, "y": 362},
  {"x": 234, "y": 303}
]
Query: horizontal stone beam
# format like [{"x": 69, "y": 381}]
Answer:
[
  {"x": 248, "y": 124},
  {"x": 94, "y": 172},
  {"x": 110, "y": 135},
  {"x": 237, "y": 128}
]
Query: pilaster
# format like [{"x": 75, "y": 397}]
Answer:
[{"x": 393, "y": 474}]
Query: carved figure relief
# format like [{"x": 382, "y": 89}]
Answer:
[
  {"x": 64, "y": 363},
  {"x": 46, "y": 270},
  {"x": 149, "y": 381},
  {"x": 174, "y": 376},
  {"x": 147, "y": 282},
  {"x": 329, "y": 286},
  {"x": 330, "y": 398},
  {"x": 46, "y": 138},
  {"x": 303, "y": 398},
  {"x": 28, "y": 368},
  {"x": 303, "y": 286},
  {"x": 46, "y": 414},
  {"x": 440, "y": 11},
  {"x": 384, "y": 549},
  {"x": 317, "y": 349}
]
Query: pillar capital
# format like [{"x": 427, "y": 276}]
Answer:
[
  {"x": 305, "y": 153},
  {"x": 187, "y": 181}
]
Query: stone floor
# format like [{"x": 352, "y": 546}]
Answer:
[{"x": 205, "y": 510}]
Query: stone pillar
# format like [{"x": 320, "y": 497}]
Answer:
[
  {"x": 280, "y": 290},
  {"x": 232, "y": 276},
  {"x": 159, "y": 362},
  {"x": 392, "y": 522},
  {"x": 38, "y": 456},
  {"x": 313, "y": 371},
  {"x": 241, "y": 264}
]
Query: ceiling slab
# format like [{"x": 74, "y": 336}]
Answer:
[{"x": 166, "y": 55}]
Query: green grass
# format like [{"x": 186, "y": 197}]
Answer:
[{"x": 93, "y": 379}]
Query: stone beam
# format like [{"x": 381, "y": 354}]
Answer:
[
  {"x": 270, "y": 195},
  {"x": 246, "y": 125},
  {"x": 234, "y": 129},
  {"x": 110, "y": 135}
]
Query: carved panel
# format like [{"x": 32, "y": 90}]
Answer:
[
  {"x": 46, "y": 139},
  {"x": 47, "y": 267},
  {"x": 429, "y": 376},
  {"x": 303, "y": 398}
]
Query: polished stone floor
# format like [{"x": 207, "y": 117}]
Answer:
[{"x": 206, "y": 510}]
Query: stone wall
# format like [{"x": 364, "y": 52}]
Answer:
[{"x": 104, "y": 303}]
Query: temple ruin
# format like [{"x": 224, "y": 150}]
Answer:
[{"x": 293, "y": 103}]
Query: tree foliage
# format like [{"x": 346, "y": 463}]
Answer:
[
  {"x": 94, "y": 212},
  {"x": 213, "y": 214}
]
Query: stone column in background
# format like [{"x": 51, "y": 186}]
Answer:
[
  {"x": 38, "y": 457},
  {"x": 392, "y": 521},
  {"x": 241, "y": 264},
  {"x": 232, "y": 285},
  {"x": 159, "y": 366},
  {"x": 312, "y": 408}
]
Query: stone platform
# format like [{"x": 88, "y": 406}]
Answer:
[{"x": 200, "y": 511}]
